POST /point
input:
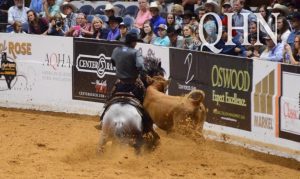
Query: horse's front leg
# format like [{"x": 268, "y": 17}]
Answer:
[
  {"x": 102, "y": 141},
  {"x": 139, "y": 141}
]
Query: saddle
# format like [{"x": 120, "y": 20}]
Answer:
[{"x": 123, "y": 98}]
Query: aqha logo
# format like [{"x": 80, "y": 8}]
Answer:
[{"x": 56, "y": 60}]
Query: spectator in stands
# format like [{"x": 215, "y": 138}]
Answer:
[
  {"x": 237, "y": 49},
  {"x": 295, "y": 20},
  {"x": 164, "y": 8},
  {"x": 37, "y": 25},
  {"x": 148, "y": 35},
  {"x": 82, "y": 28},
  {"x": 191, "y": 42},
  {"x": 291, "y": 6},
  {"x": 278, "y": 8},
  {"x": 177, "y": 10},
  {"x": 114, "y": 27},
  {"x": 50, "y": 8},
  {"x": 57, "y": 26},
  {"x": 17, "y": 13},
  {"x": 187, "y": 4},
  {"x": 99, "y": 32},
  {"x": 187, "y": 17},
  {"x": 272, "y": 52},
  {"x": 170, "y": 20},
  {"x": 123, "y": 31},
  {"x": 17, "y": 26},
  {"x": 293, "y": 56},
  {"x": 36, "y": 5},
  {"x": 109, "y": 10},
  {"x": 143, "y": 14},
  {"x": 265, "y": 14},
  {"x": 201, "y": 12},
  {"x": 69, "y": 10},
  {"x": 226, "y": 8},
  {"x": 212, "y": 6},
  {"x": 253, "y": 50},
  {"x": 162, "y": 39},
  {"x": 176, "y": 40},
  {"x": 238, "y": 20},
  {"x": 283, "y": 30},
  {"x": 156, "y": 19}
]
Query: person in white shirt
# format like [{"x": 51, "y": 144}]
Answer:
[{"x": 18, "y": 12}]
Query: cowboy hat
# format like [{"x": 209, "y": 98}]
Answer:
[
  {"x": 214, "y": 4},
  {"x": 116, "y": 19},
  {"x": 281, "y": 8},
  {"x": 108, "y": 7},
  {"x": 67, "y": 4}
]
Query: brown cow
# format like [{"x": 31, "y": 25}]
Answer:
[{"x": 167, "y": 111}]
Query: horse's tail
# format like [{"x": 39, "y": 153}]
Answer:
[
  {"x": 119, "y": 129},
  {"x": 197, "y": 96}
]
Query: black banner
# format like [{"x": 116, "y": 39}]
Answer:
[
  {"x": 289, "y": 118},
  {"x": 226, "y": 81},
  {"x": 93, "y": 72}
]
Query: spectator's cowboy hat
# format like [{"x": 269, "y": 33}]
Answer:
[
  {"x": 281, "y": 8},
  {"x": 154, "y": 5},
  {"x": 109, "y": 7},
  {"x": 214, "y": 4},
  {"x": 67, "y": 4},
  {"x": 115, "y": 19}
]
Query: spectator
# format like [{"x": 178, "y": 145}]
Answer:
[
  {"x": 50, "y": 8},
  {"x": 163, "y": 5},
  {"x": 148, "y": 34},
  {"x": 17, "y": 13},
  {"x": 37, "y": 25},
  {"x": 187, "y": 17},
  {"x": 278, "y": 8},
  {"x": 238, "y": 20},
  {"x": 293, "y": 56},
  {"x": 156, "y": 19},
  {"x": 114, "y": 27},
  {"x": 190, "y": 41},
  {"x": 57, "y": 26},
  {"x": 175, "y": 39},
  {"x": 212, "y": 6},
  {"x": 143, "y": 14},
  {"x": 187, "y": 4},
  {"x": 253, "y": 50},
  {"x": 291, "y": 6},
  {"x": 36, "y": 5},
  {"x": 82, "y": 28},
  {"x": 283, "y": 29},
  {"x": 295, "y": 20},
  {"x": 123, "y": 31},
  {"x": 99, "y": 32},
  {"x": 272, "y": 52},
  {"x": 170, "y": 20},
  {"x": 17, "y": 26},
  {"x": 69, "y": 10},
  {"x": 177, "y": 10},
  {"x": 162, "y": 39},
  {"x": 264, "y": 13},
  {"x": 109, "y": 10}
]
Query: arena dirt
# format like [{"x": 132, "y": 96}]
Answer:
[{"x": 55, "y": 145}]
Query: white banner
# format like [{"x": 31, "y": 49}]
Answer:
[{"x": 43, "y": 79}]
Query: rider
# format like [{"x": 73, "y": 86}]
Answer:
[{"x": 129, "y": 64}]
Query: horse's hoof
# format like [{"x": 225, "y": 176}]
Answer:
[{"x": 100, "y": 150}]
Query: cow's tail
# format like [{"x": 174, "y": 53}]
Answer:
[{"x": 197, "y": 96}]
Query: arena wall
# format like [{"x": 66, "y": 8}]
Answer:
[{"x": 252, "y": 103}]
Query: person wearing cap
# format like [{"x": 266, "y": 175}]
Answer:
[
  {"x": 123, "y": 31},
  {"x": 156, "y": 19},
  {"x": 295, "y": 22},
  {"x": 272, "y": 52},
  {"x": 129, "y": 64},
  {"x": 162, "y": 39},
  {"x": 176, "y": 40},
  {"x": 109, "y": 10},
  {"x": 143, "y": 14},
  {"x": 114, "y": 31},
  {"x": 69, "y": 10}
]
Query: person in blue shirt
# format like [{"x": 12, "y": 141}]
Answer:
[
  {"x": 295, "y": 21},
  {"x": 156, "y": 19}
]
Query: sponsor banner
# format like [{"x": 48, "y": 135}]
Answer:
[
  {"x": 226, "y": 81},
  {"x": 289, "y": 123},
  {"x": 265, "y": 95},
  {"x": 157, "y": 52},
  {"x": 35, "y": 70},
  {"x": 93, "y": 72}
]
